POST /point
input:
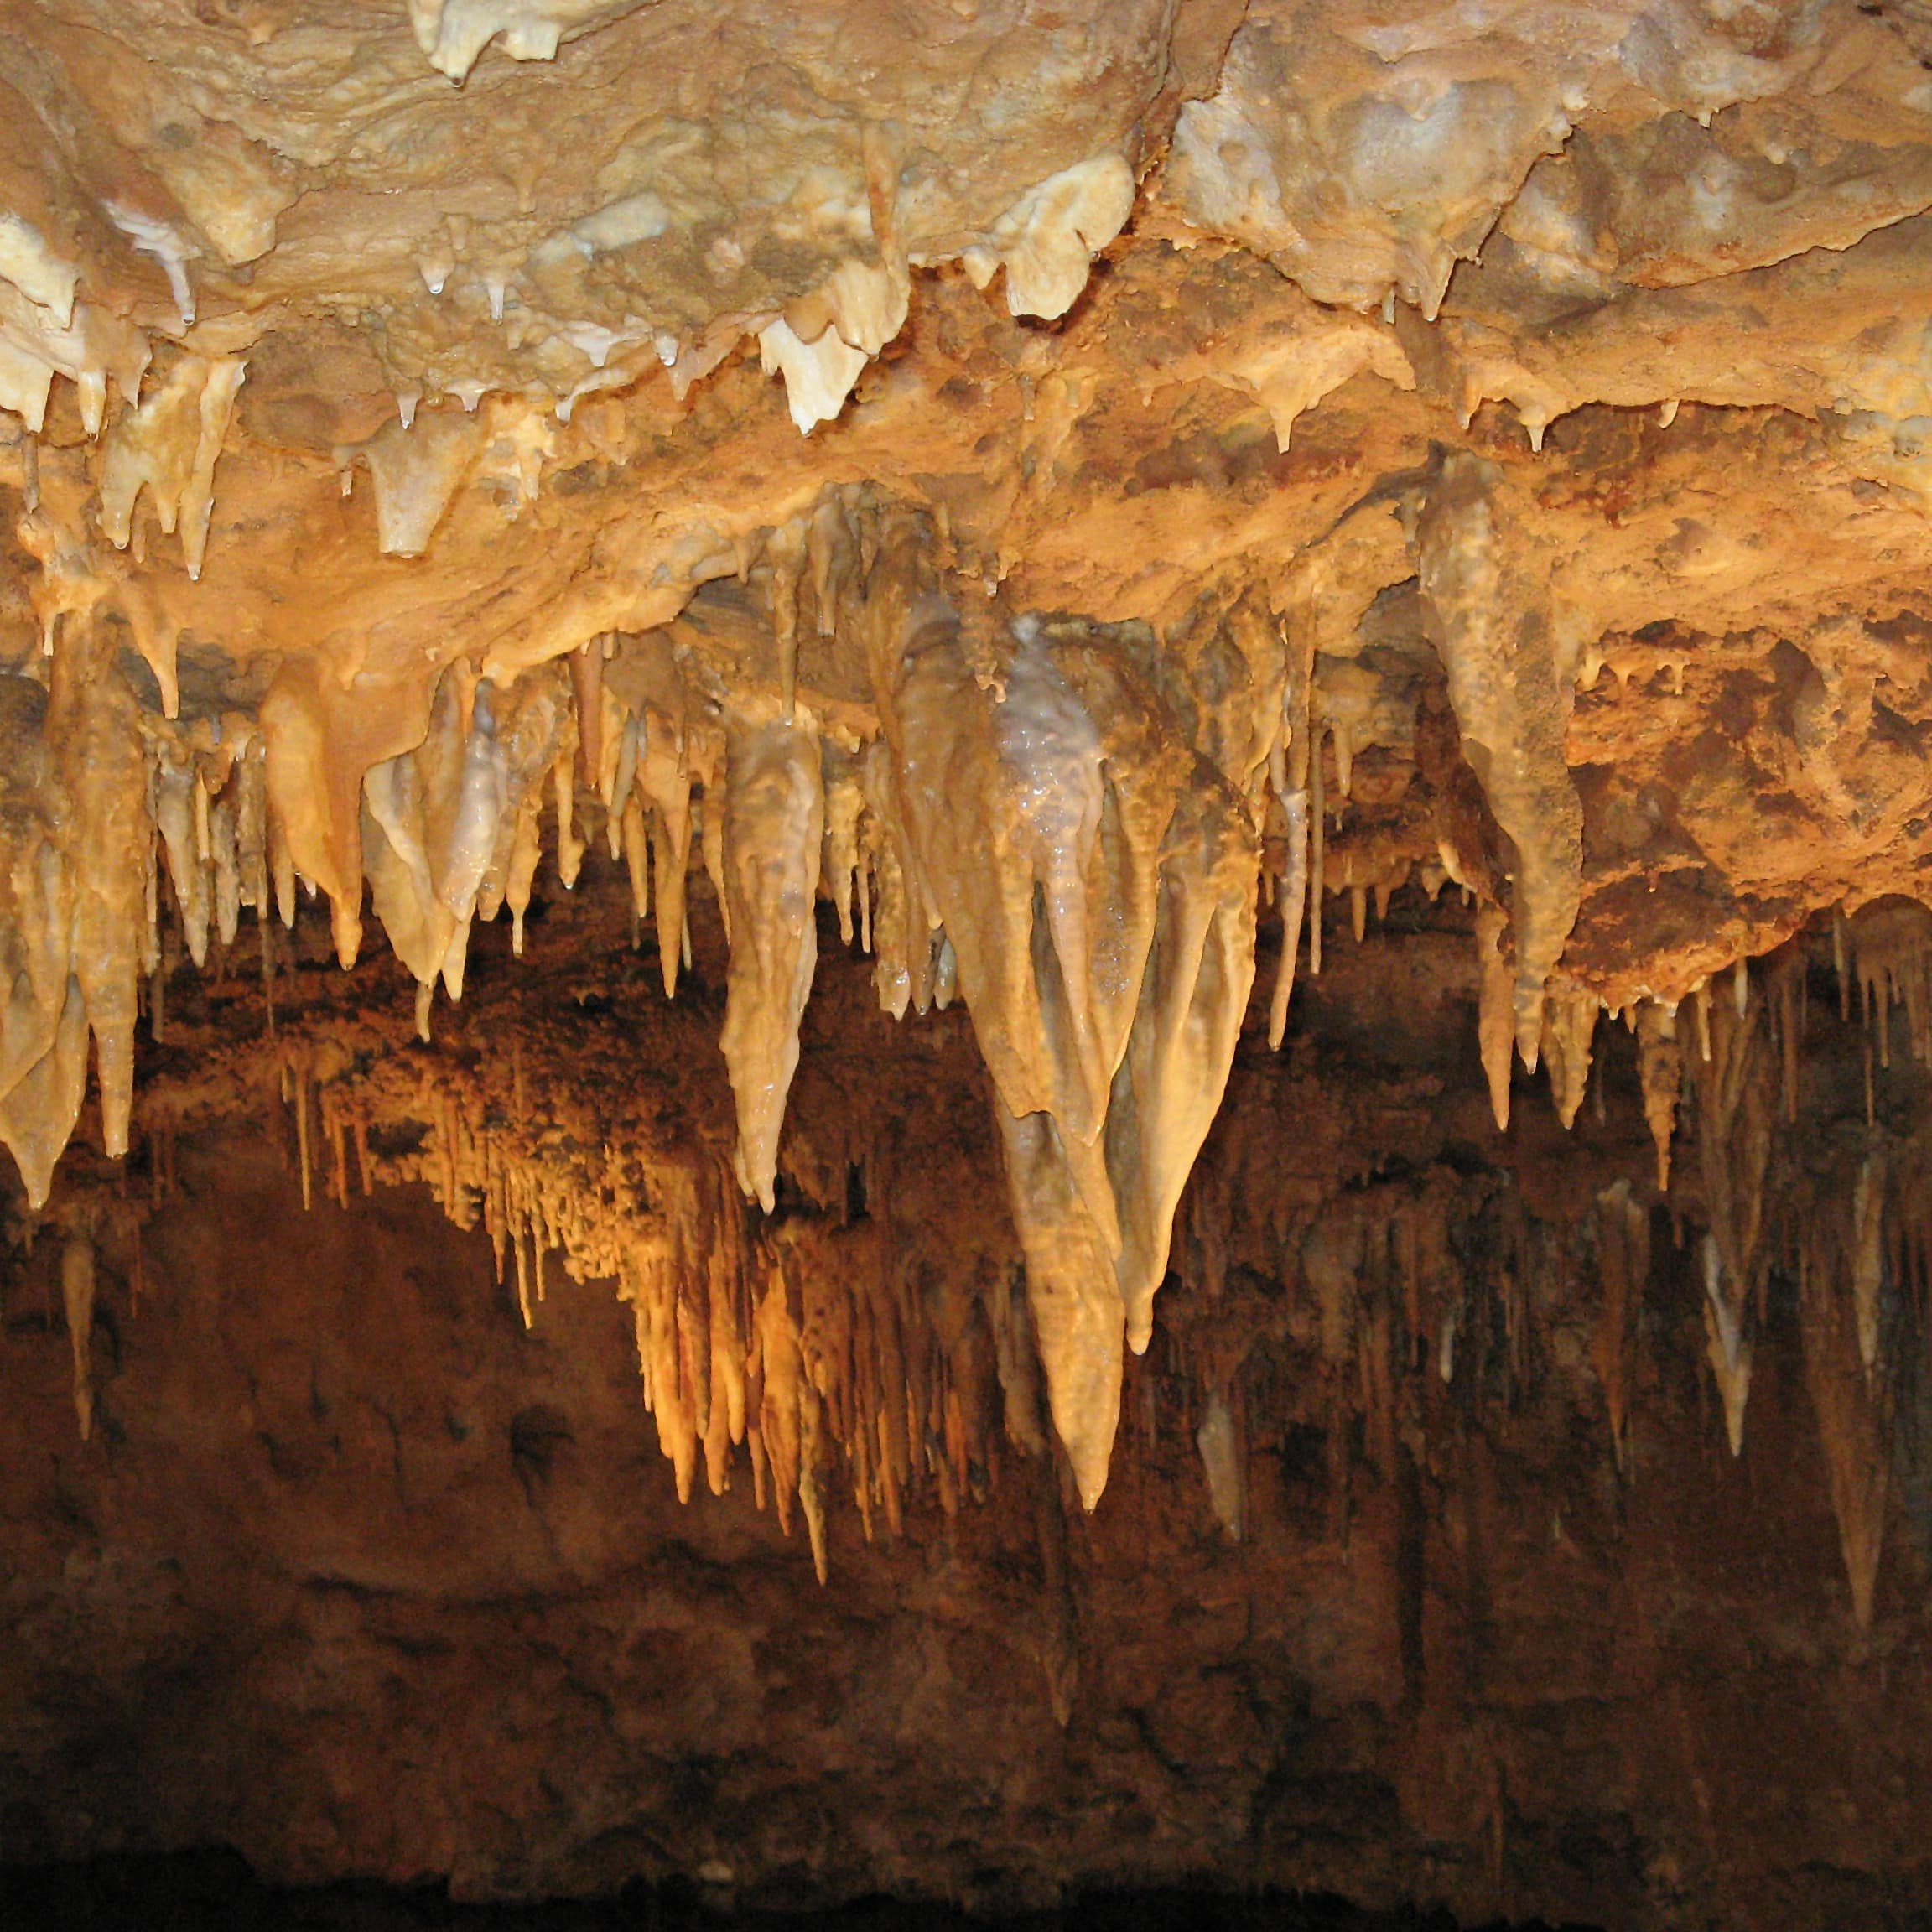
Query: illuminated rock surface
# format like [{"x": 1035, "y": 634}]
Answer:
[{"x": 1148, "y": 785}]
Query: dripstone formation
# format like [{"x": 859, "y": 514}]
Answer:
[{"x": 1150, "y": 782}]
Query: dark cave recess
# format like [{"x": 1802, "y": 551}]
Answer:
[{"x": 215, "y": 1891}]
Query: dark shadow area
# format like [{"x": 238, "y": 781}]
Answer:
[{"x": 215, "y": 1891}]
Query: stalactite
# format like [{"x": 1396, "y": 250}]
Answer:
[
  {"x": 1623, "y": 1265},
  {"x": 169, "y": 445},
  {"x": 1569, "y": 1016},
  {"x": 1891, "y": 944},
  {"x": 92, "y": 718},
  {"x": 1100, "y": 910},
  {"x": 1494, "y": 637},
  {"x": 1660, "y": 1071},
  {"x": 1029, "y": 827},
  {"x": 774, "y": 824},
  {"x": 1221, "y": 1458},
  {"x": 1289, "y": 767},
  {"x": 1736, "y": 1113},
  {"x": 75, "y": 831},
  {"x": 1850, "y": 1406},
  {"x": 1869, "y": 1251},
  {"x": 77, "y": 1297},
  {"x": 1495, "y": 1021},
  {"x": 321, "y": 743}
]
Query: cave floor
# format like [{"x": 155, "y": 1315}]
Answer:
[{"x": 215, "y": 1891}]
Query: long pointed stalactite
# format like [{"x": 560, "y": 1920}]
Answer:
[
  {"x": 1009, "y": 814},
  {"x": 1167, "y": 767},
  {"x": 825, "y": 1355}
]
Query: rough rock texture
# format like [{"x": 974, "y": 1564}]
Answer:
[
  {"x": 361, "y": 1576},
  {"x": 1087, "y": 505}
]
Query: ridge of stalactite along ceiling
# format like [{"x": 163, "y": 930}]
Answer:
[
  {"x": 877, "y": 1339},
  {"x": 1433, "y": 367}
]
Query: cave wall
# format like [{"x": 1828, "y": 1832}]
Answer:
[
  {"x": 969, "y": 946},
  {"x": 361, "y": 1576}
]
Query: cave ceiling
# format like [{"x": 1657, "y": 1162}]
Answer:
[{"x": 1086, "y": 490}]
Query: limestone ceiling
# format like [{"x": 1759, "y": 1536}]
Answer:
[{"x": 1374, "y": 444}]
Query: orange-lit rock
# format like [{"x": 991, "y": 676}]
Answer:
[{"x": 968, "y": 538}]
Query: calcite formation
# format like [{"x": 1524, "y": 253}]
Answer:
[{"x": 1087, "y": 505}]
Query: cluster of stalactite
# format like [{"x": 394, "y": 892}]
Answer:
[
  {"x": 884, "y": 1352},
  {"x": 1068, "y": 825},
  {"x": 873, "y": 1339}
]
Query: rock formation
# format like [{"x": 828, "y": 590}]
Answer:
[{"x": 1272, "y": 570}]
